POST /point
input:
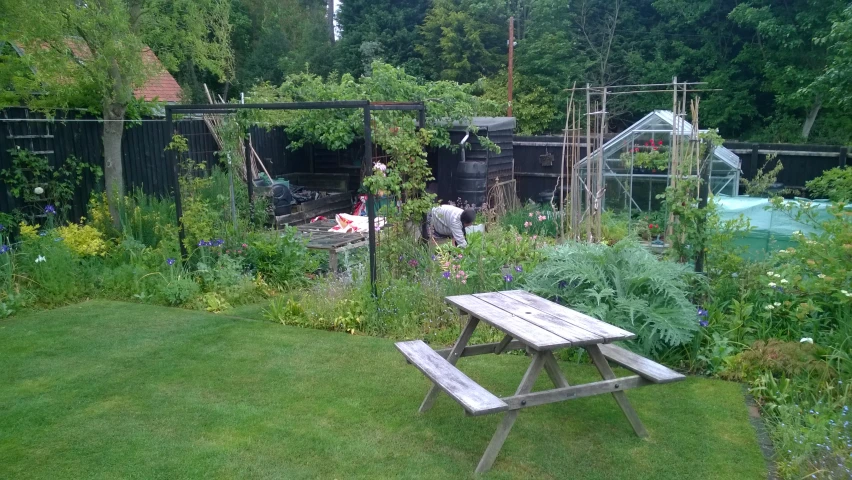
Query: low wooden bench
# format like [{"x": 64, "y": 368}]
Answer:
[
  {"x": 647, "y": 369},
  {"x": 469, "y": 394}
]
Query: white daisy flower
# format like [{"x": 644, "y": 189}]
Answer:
[
  {"x": 772, "y": 284},
  {"x": 784, "y": 280}
]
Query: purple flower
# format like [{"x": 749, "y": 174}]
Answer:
[
  {"x": 401, "y": 258},
  {"x": 518, "y": 268},
  {"x": 446, "y": 275},
  {"x": 170, "y": 261},
  {"x": 201, "y": 243},
  {"x": 702, "y": 312},
  {"x": 508, "y": 278},
  {"x": 434, "y": 258},
  {"x": 413, "y": 263},
  {"x": 220, "y": 242},
  {"x": 4, "y": 248},
  {"x": 703, "y": 323},
  {"x": 50, "y": 210}
]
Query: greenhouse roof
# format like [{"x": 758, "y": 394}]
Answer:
[{"x": 663, "y": 121}]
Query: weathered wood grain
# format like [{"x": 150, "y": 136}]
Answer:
[
  {"x": 574, "y": 334},
  {"x": 610, "y": 333},
  {"x": 532, "y": 335},
  {"x": 570, "y": 393},
  {"x": 452, "y": 359},
  {"x": 482, "y": 349},
  {"x": 640, "y": 365},
  {"x": 619, "y": 396},
  {"x": 469, "y": 394}
]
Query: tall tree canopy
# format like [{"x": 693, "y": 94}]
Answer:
[
  {"x": 90, "y": 54},
  {"x": 384, "y": 29}
]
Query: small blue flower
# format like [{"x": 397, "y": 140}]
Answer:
[
  {"x": 220, "y": 242},
  {"x": 201, "y": 243},
  {"x": 703, "y": 323},
  {"x": 446, "y": 275},
  {"x": 434, "y": 258},
  {"x": 702, "y": 312},
  {"x": 50, "y": 210},
  {"x": 518, "y": 268},
  {"x": 170, "y": 261},
  {"x": 508, "y": 278},
  {"x": 4, "y": 248}
]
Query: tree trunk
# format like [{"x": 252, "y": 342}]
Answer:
[
  {"x": 811, "y": 118},
  {"x": 113, "y": 170}
]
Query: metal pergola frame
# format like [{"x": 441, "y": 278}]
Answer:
[{"x": 366, "y": 105}]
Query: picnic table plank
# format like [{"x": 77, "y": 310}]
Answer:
[
  {"x": 474, "y": 398},
  {"x": 531, "y": 334},
  {"x": 570, "y": 332},
  {"x": 609, "y": 332},
  {"x": 644, "y": 367}
]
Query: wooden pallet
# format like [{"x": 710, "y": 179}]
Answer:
[{"x": 320, "y": 238}]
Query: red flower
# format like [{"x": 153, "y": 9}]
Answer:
[
  {"x": 660, "y": 142},
  {"x": 650, "y": 225},
  {"x": 648, "y": 142},
  {"x": 636, "y": 149},
  {"x": 656, "y": 148}
]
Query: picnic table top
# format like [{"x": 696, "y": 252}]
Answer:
[
  {"x": 537, "y": 322},
  {"x": 319, "y": 238}
]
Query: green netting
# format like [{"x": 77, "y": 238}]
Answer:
[{"x": 771, "y": 229}]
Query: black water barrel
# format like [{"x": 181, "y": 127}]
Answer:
[{"x": 470, "y": 181}]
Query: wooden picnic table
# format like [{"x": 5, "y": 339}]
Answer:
[
  {"x": 539, "y": 326},
  {"x": 320, "y": 238}
]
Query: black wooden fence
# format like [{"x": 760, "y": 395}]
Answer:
[{"x": 536, "y": 168}]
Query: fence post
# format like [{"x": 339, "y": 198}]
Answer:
[
  {"x": 755, "y": 158},
  {"x": 844, "y": 152}
]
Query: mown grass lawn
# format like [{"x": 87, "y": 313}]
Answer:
[{"x": 116, "y": 390}]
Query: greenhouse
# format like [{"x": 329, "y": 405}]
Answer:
[{"x": 637, "y": 161}]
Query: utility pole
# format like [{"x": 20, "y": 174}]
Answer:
[
  {"x": 330, "y": 19},
  {"x": 511, "y": 61}
]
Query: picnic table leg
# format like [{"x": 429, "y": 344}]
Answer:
[
  {"x": 553, "y": 371},
  {"x": 620, "y": 397},
  {"x": 505, "y": 427},
  {"x": 453, "y": 357}
]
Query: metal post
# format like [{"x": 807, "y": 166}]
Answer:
[
  {"x": 249, "y": 179},
  {"x": 371, "y": 205},
  {"x": 511, "y": 61},
  {"x": 704, "y": 193},
  {"x": 170, "y": 156}
]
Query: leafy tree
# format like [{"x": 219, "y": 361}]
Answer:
[
  {"x": 90, "y": 54},
  {"x": 464, "y": 40},
  {"x": 788, "y": 48},
  {"x": 392, "y": 24}
]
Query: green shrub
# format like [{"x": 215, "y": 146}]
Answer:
[
  {"x": 624, "y": 285},
  {"x": 178, "y": 291},
  {"x": 834, "y": 184},
  {"x": 781, "y": 359},
  {"x": 281, "y": 258}
]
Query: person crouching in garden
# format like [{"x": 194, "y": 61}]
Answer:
[{"x": 450, "y": 221}]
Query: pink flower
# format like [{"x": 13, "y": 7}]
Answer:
[
  {"x": 464, "y": 281},
  {"x": 244, "y": 245},
  {"x": 541, "y": 218},
  {"x": 462, "y": 272},
  {"x": 531, "y": 214},
  {"x": 461, "y": 256},
  {"x": 535, "y": 237},
  {"x": 527, "y": 224}
]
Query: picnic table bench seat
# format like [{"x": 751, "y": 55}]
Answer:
[
  {"x": 469, "y": 394},
  {"x": 647, "y": 369}
]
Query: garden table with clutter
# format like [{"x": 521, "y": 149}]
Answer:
[
  {"x": 343, "y": 233},
  {"x": 540, "y": 327}
]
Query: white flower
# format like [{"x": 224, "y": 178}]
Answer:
[
  {"x": 797, "y": 232},
  {"x": 821, "y": 275},
  {"x": 772, "y": 284},
  {"x": 769, "y": 307},
  {"x": 806, "y": 340},
  {"x": 784, "y": 280},
  {"x": 849, "y": 294},
  {"x": 777, "y": 275},
  {"x": 777, "y": 304},
  {"x": 844, "y": 292},
  {"x": 38, "y": 190},
  {"x": 770, "y": 273},
  {"x": 40, "y": 259}
]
